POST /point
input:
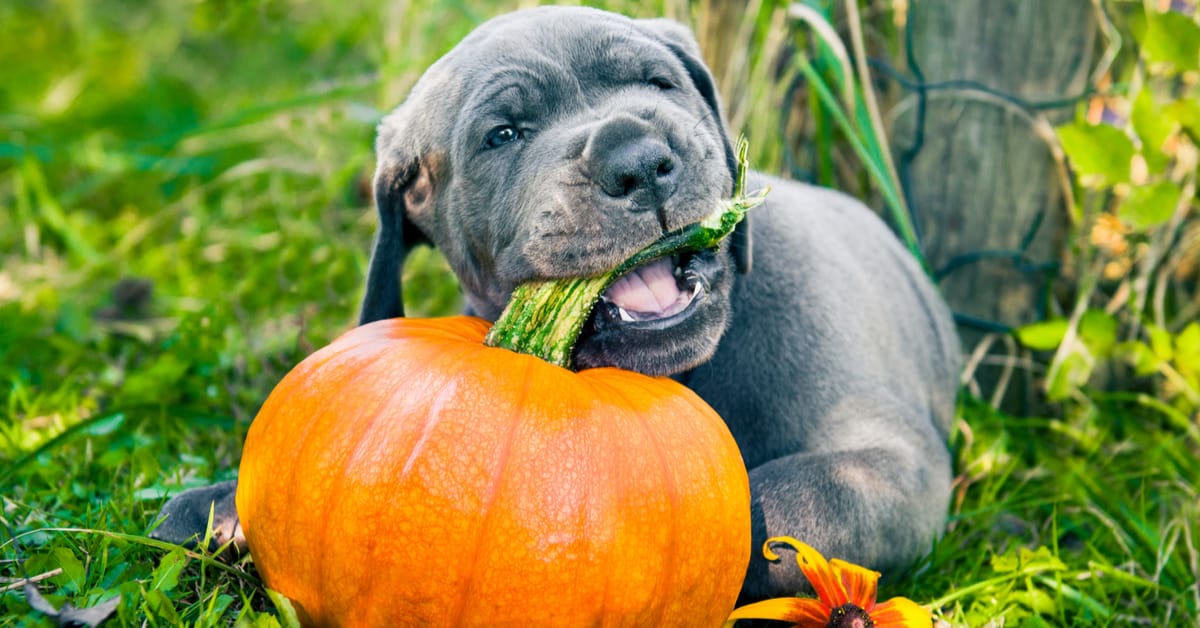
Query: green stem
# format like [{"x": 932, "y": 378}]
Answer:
[
  {"x": 888, "y": 187},
  {"x": 544, "y": 318}
]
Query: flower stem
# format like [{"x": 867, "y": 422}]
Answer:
[{"x": 544, "y": 318}]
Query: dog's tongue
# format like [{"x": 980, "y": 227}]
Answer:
[{"x": 648, "y": 289}]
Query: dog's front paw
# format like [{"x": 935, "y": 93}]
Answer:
[{"x": 185, "y": 518}]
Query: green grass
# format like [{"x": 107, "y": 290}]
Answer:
[{"x": 217, "y": 152}]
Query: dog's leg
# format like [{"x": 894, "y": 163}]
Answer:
[
  {"x": 878, "y": 507},
  {"x": 185, "y": 517}
]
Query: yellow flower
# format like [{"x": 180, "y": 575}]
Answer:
[
  {"x": 1109, "y": 234},
  {"x": 845, "y": 596}
]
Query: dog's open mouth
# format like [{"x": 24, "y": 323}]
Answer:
[{"x": 657, "y": 294}]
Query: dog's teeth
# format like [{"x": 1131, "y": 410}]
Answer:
[
  {"x": 697, "y": 289},
  {"x": 625, "y": 316}
]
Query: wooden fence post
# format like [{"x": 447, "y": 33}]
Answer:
[{"x": 987, "y": 192}]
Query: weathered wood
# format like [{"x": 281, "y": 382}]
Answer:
[
  {"x": 984, "y": 177},
  {"x": 1035, "y": 49}
]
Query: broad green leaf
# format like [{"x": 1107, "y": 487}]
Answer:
[
  {"x": 1042, "y": 335},
  {"x": 166, "y": 575},
  {"x": 1071, "y": 373},
  {"x": 1150, "y": 206},
  {"x": 1098, "y": 330},
  {"x": 1172, "y": 38},
  {"x": 1004, "y": 563},
  {"x": 1139, "y": 355},
  {"x": 1152, "y": 127},
  {"x": 106, "y": 425},
  {"x": 162, "y": 606},
  {"x": 260, "y": 620},
  {"x": 1187, "y": 350},
  {"x": 1036, "y": 600},
  {"x": 1099, "y": 150},
  {"x": 1041, "y": 558},
  {"x": 287, "y": 614},
  {"x": 1025, "y": 559},
  {"x": 73, "y": 573},
  {"x": 1186, "y": 112},
  {"x": 1160, "y": 342}
]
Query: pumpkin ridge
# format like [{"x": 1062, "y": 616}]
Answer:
[
  {"x": 665, "y": 583},
  {"x": 428, "y": 426},
  {"x": 282, "y": 394},
  {"x": 382, "y": 412},
  {"x": 464, "y": 354},
  {"x": 498, "y": 477},
  {"x": 597, "y": 390},
  {"x": 722, "y": 437}
]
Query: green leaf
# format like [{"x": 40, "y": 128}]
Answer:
[
  {"x": 1151, "y": 126},
  {"x": 1187, "y": 350},
  {"x": 166, "y": 575},
  {"x": 1098, "y": 331},
  {"x": 1041, "y": 558},
  {"x": 1072, "y": 372},
  {"x": 1099, "y": 150},
  {"x": 162, "y": 606},
  {"x": 287, "y": 614},
  {"x": 1042, "y": 335},
  {"x": 1160, "y": 342},
  {"x": 1140, "y": 356},
  {"x": 106, "y": 425},
  {"x": 1150, "y": 206},
  {"x": 1027, "y": 560},
  {"x": 1036, "y": 600},
  {"x": 1172, "y": 38},
  {"x": 73, "y": 573},
  {"x": 1005, "y": 563},
  {"x": 261, "y": 620},
  {"x": 1186, "y": 112}
]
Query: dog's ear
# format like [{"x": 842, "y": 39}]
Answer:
[
  {"x": 399, "y": 183},
  {"x": 680, "y": 41}
]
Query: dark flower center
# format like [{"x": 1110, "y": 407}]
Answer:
[{"x": 849, "y": 616}]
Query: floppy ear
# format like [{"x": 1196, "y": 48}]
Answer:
[
  {"x": 683, "y": 45},
  {"x": 395, "y": 182}
]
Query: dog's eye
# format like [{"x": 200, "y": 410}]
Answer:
[
  {"x": 661, "y": 83},
  {"x": 501, "y": 135}
]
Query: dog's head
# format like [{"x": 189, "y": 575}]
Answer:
[{"x": 556, "y": 142}]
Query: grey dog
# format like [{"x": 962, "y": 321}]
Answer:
[{"x": 555, "y": 142}]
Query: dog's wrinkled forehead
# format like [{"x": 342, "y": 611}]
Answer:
[
  {"x": 559, "y": 48},
  {"x": 588, "y": 41}
]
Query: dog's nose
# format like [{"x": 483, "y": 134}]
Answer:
[{"x": 627, "y": 159}]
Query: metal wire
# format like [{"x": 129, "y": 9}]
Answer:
[{"x": 1044, "y": 271}]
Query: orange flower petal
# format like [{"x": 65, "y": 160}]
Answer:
[
  {"x": 802, "y": 612},
  {"x": 814, "y": 566},
  {"x": 861, "y": 584},
  {"x": 900, "y": 612}
]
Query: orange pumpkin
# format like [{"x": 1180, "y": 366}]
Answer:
[
  {"x": 407, "y": 474},
  {"x": 411, "y": 474}
]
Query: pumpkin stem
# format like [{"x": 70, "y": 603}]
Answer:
[{"x": 544, "y": 318}]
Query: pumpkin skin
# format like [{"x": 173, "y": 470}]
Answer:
[{"x": 407, "y": 474}]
